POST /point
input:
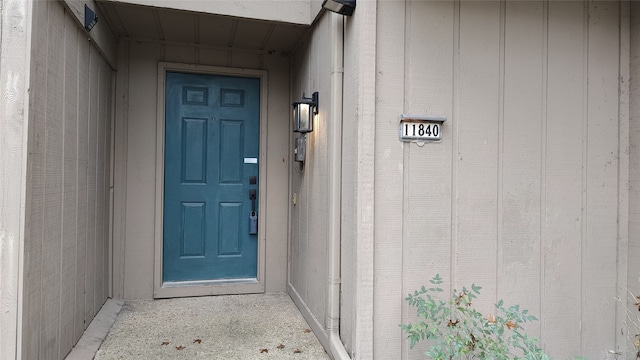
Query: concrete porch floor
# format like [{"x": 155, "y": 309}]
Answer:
[{"x": 259, "y": 326}]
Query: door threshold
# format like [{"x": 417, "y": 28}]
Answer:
[
  {"x": 171, "y": 289},
  {"x": 173, "y": 284}
]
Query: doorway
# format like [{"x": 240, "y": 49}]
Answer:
[{"x": 211, "y": 184}]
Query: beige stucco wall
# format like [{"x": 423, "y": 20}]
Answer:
[
  {"x": 526, "y": 194},
  {"x": 66, "y": 244},
  {"x": 135, "y": 153}
]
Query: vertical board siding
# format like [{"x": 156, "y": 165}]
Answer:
[
  {"x": 83, "y": 161},
  {"x": 426, "y": 166},
  {"x": 521, "y": 139},
  {"x": 389, "y": 226},
  {"x": 521, "y": 196},
  {"x": 120, "y": 166},
  {"x": 633, "y": 282},
  {"x": 69, "y": 201},
  {"x": 89, "y": 280},
  {"x": 35, "y": 188},
  {"x": 562, "y": 231},
  {"x": 102, "y": 217},
  {"x": 317, "y": 180},
  {"x": 627, "y": 330},
  {"x": 600, "y": 241},
  {"x": 300, "y": 240},
  {"x": 477, "y": 154},
  {"x": 51, "y": 241},
  {"x": 310, "y": 215},
  {"x": 56, "y": 273},
  {"x": 427, "y": 169},
  {"x": 107, "y": 241}
]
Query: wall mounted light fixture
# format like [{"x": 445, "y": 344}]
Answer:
[
  {"x": 303, "y": 113},
  {"x": 90, "y": 18},
  {"x": 342, "y": 7}
]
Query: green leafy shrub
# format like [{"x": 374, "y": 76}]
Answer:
[
  {"x": 633, "y": 325},
  {"x": 454, "y": 329}
]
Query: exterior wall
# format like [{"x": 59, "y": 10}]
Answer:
[
  {"x": 309, "y": 216},
  {"x": 526, "y": 193},
  {"x": 358, "y": 181},
  {"x": 135, "y": 150},
  {"x": 66, "y": 246},
  {"x": 308, "y": 279},
  {"x": 290, "y": 11},
  {"x": 633, "y": 279},
  {"x": 15, "y": 25}
]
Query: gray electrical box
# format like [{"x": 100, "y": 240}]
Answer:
[{"x": 300, "y": 148}]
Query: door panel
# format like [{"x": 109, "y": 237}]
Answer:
[{"x": 211, "y": 125}]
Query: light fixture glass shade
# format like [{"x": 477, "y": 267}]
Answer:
[
  {"x": 302, "y": 117},
  {"x": 303, "y": 113}
]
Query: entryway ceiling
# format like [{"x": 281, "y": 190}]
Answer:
[{"x": 180, "y": 27}]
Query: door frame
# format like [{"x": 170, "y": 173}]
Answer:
[{"x": 214, "y": 287}]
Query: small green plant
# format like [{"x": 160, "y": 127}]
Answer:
[
  {"x": 634, "y": 322},
  {"x": 454, "y": 329},
  {"x": 633, "y": 325}
]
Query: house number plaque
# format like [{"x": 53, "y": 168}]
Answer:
[{"x": 421, "y": 128}]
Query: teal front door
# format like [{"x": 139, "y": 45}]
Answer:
[{"x": 212, "y": 127}]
